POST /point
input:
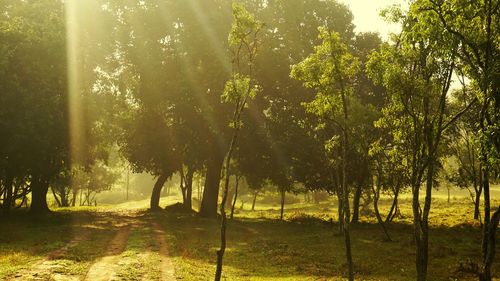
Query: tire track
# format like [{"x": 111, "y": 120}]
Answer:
[
  {"x": 106, "y": 267},
  {"x": 167, "y": 271}
]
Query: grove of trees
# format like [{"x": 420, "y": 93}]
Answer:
[{"x": 269, "y": 92}]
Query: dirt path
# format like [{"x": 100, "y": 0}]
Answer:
[
  {"x": 105, "y": 268},
  {"x": 166, "y": 265},
  {"x": 51, "y": 268}
]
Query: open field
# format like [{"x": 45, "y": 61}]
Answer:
[{"x": 125, "y": 242}]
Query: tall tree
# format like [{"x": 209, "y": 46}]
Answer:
[
  {"x": 417, "y": 72},
  {"x": 476, "y": 25},
  {"x": 330, "y": 71},
  {"x": 244, "y": 43}
]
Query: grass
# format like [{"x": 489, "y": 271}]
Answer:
[
  {"x": 306, "y": 246},
  {"x": 140, "y": 259}
]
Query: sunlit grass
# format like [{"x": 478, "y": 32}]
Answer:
[{"x": 306, "y": 246}]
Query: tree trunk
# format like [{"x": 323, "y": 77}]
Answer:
[
  {"x": 254, "y": 200},
  {"x": 394, "y": 208},
  {"x": 230, "y": 196},
  {"x": 421, "y": 224},
  {"x": 283, "y": 194},
  {"x": 39, "y": 189},
  {"x": 489, "y": 255},
  {"x": 235, "y": 196},
  {"x": 211, "y": 191},
  {"x": 345, "y": 190},
  {"x": 7, "y": 202},
  {"x": 155, "y": 195},
  {"x": 65, "y": 198},
  {"x": 376, "y": 196},
  {"x": 188, "y": 203},
  {"x": 355, "y": 204},
  {"x": 55, "y": 197},
  {"x": 223, "y": 226},
  {"x": 477, "y": 203},
  {"x": 486, "y": 219},
  {"x": 340, "y": 211},
  {"x": 73, "y": 198}
]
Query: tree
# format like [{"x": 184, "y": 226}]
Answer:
[
  {"x": 35, "y": 134},
  {"x": 464, "y": 148},
  {"x": 476, "y": 26},
  {"x": 330, "y": 72},
  {"x": 417, "y": 72},
  {"x": 243, "y": 39}
]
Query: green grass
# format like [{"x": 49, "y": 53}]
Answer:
[
  {"x": 25, "y": 240},
  {"x": 306, "y": 246},
  {"x": 140, "y": 259}
]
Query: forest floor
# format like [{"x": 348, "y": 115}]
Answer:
[{"x": 125, "y": 242}]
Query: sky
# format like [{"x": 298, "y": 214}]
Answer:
[{"x": 366, "y": 15}]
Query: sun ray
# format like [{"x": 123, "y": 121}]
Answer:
[{"x": 74, "y": 82}]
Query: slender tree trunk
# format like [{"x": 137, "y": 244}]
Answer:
[
  {"x": 188, "y": 203},
  {"x": 73, "y": 198},
  {"x": 55, "y": 197},
  {"x": 394, "y": 208},
  {"x": 254, "y": 200},
  {"x": 355, "y": 205},
  {"x": 376, "y": 196},
  {"x": 345, "y": 189},
  {"x": 477, "y": 201},
  {"x": 182, "y": 185},
  {"x": 422, "y": 226},
  {"x": 340, "y": 211},
  {"x": 230, "y": 196},
  {"x": 7, "y": 202},
  {"x": 235, "y": 196},
  {"x": 155, "y": 195},
  {"x": 39, "y": 189},
  {"x": 489, "y": 255},
  {"x": 222, "y": 249},
  {"x": 283, "y": 194},
  {"x": 65, "y": 198},
  {"x": 211, "y": 191},
  {"x": 487, "y": 210}
]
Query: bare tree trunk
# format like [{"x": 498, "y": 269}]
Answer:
[
  {"x": 7, "y": 202},
  {"x": 355, "y": 205},
  {"x": 208, "y": 207},
  {"x": 376, "y": 196},
  {"x": 222, "y": 249},
  {"x": 235, "y": 196},
  {"x": 477, "y": 203},
  {"x": 188, "y": 203},
  {"x": 55, "y": 197},
  {"x": 486, "y": 219},
  {"x": 340, "y": 211},
  {"x": 254, "y": 200},
  {"x": 394, "y": 208},
  {"x": 282, "y": 201},
  {"x": 155, "y": 195},
  {"x": 421, "y": 223},
  {"x": 345, "y": 190},
  {"x": 39, "y": 190},
  {"x": 489, "y": 255},
  {"x": 73, "y": 198}
]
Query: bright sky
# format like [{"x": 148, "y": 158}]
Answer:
[{"x": 366, "y": 15}]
